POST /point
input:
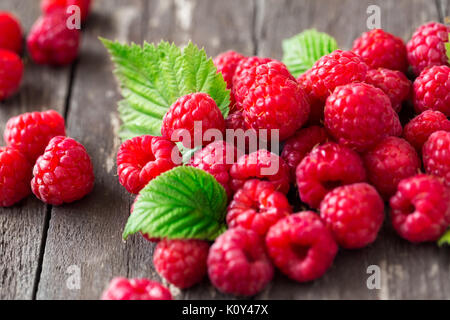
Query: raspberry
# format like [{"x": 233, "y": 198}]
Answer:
[
  {"x": 136, "y": 289},
  {"x": 427, "y": 47},
  {"x": 30, "y": 133},
  {"x": 354, "y": 214},
  {"x": 432, "y": 90},
  {"x": 316, "y": 105},
  {"x": 51, "y": 42},
  {"x": 261, "y": 164},
  {"x": 63, "y": 174},
  {"x": 274, "y": 100},
  {"x": 11, "y": 71},
  {"x": 15, "y": 176},
  {"x": 421, "y": 208},
  {"x": 244, "y": 139},
  {"x": 142, "y": 159},
  {"x": 11, "y": 35},
  {"x": 238, "y": 263},
  {"x": 217, "y": 159},
  {"x": 421, "y": 127},
  {"x": 49, "y": 6},
  {"x": 336, "y": 69},
  {"x": 358, "y": 115},
  {"x": 182, "y": 115},
  {"x": 394, "y": 83},
  {"x": 257, "y": 206},
  {"x": 326, "y": 168},
  {"x": 389, "y": 162},
  {"x": 301, "y": 246},
  {"x": 181, "y": 262},
  {"x": 299, "y": 145},
  {"x": 380, "y": 49},
  {"x": 436, "y": 155}
]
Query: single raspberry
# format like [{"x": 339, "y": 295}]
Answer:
[
  {"x": 142, "y": 159},
  {"x": 394, "y": 83},
  {"x": 358, "y": 115},
  {"x": 15, "y": 176},
  {"x": 301, "y": 246},
  {"x": 63, "y": 174},
  {"x": 380, "y": 49},
  {"x": 11, "y": 72},
  {"x": 136, "y": 289},
  {"x": 325, "y": 168},
  {"x": 244, "y": 139},
  {"x": 427, "y": 47},
  {"x": 421, "y": 127},
  {"x": 11, "y": 35},
  {"x": 146, "y": 236},
  {"x": 317, "y": 106},
  {"x": 257, "y": 206},
  {"x": 390, "y": 161},
  {"x": 51, "y": 42},
  {"x": 354, "y": 214},
  {"x": 49, "y": 6},
  {"x": 421, "y": 208},
  {"x": 238, "y": 263},
  {"x": 217, "y": 159},
  {"x": 261, "y": 164},
  {"x": 181, "y": 262},
  {"x": 432, "y": 90},
  {"x": 179, "y": 122},
  {"x": 436, "y": 155},
  {"x": 31, "y": 132},
  {"x": 336, "y": 69},
  {"x": 299, "y": 145}
]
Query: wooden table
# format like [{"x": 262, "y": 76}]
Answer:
[{"x": 42, "y": 247}]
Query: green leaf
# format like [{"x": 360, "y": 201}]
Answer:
[
  {"x": 447, "y": 48},
  {"x": 183, "y": 203},
  {"x": 304, "y": 49},
  {"x": 445, "y": 239}
]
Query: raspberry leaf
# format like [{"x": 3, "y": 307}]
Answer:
[
  {"x": 183, "y": 203},
  {"x": 445, "y": 239},
  {"x": 447, "y": 48},
  {"x": 304, "y": 49}
]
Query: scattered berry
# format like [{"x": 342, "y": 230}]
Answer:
[
  {"x": 436, "y": 155},
  {"x": 301, "y": 246},
  {"x": 238, "y": 263},
  {"x": 11, "y": 35},
  {"x": 421, "y": 208},
  {"x": 49, "y": 6},
  {"x": 325, "y": 168},
  {"x": 11, "y": 72},
  {"x": 136, "y": 289},
  {"x": 63, "y": 174}
]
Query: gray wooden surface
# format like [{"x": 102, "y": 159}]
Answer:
[{"x": 41, "y": 245}]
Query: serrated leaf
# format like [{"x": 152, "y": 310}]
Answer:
[
  {"x": 183, "y": 203},
  {"x": 447, "y": 49},
  {"x": 304, "y": 49},
  {"x": 445, "y": 239}
]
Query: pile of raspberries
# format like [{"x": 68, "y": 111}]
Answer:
[{"x": 345, "y": 149}]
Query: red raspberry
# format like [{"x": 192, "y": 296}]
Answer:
[
  {"x": 354, "y": 214},
  {"x": 436, "y": 155},
  {"x": 358, "y": 115},
  {"x": 142, "y": 159},
  {"x": 238, "y": 263},
  {"x": 336, "y": 69},
  {"x": 11, "y": 71},
  {"x": 326, "y": 168},
  {"x": 389, "y": 162},
  {"x": 301, "y": 246},
  {"x": 381, "y": 49},
  {"x": 181, "y": 262},
  {"x": 421, "y": 127},
  {"x": 257, "y": 206},
  {"x": 49, "y": 6},
  {"x": 51, "y": 42},
  {"x": 261, "y": 164},
  {"x": 244, "y": 139},
  {"x": 217, "y": 159},
  {"x": 274, "y": 100},
  {"x": 136, "y": 289},
  {"x": 11, "y": 35},
  {"x": 317, "y": 106},
  {"x": 15, "y": 176},
  {"x": 427, "y": 47},
  {"x": 421, "y": 208},
  {"x": 394, "y": 83},
  {"x": 432, "y": 90},
  {"x": 31, "y": 132},
  {"x": 299, "y": 145},
  {"x": 63, "y": 174},
  {"x": 182, "y": 115}
]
